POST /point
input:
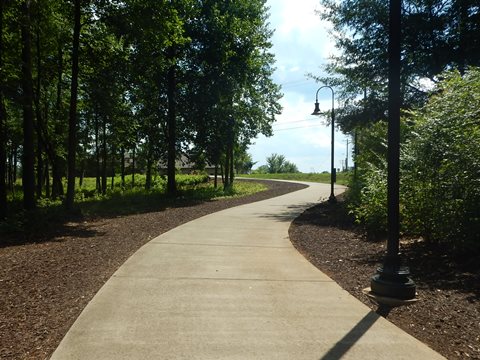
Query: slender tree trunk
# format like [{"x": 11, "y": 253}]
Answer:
[
  {"x": 104, "y": 157},
  {"x": 226, "y": 182},
  {"x": 222, "y": 173},
  {"x": 57, "y": 161},
  {"x": 10, "y": 170},
  {"x": 98, "y": 184},
  {"x": 215, "y": 181},
  {"x": 28, "y": 163},
  {"x": 38, "y": 112},
  {"x": 72, "y": 122},
  {"x": 113, "y": 168},
  {"x": 57, "y": 186},
  {"x": 15, "y": 165},
  {"x": 133, "y": 166},
  {"x": 3, "y": 130},
  {"x": 122, "y": 167},
  {"x": 148, "y": 176},
  {"x": 171, "y": 185},
  {"x": 47, "y": 179},
  {"x": 232, "y": 172},
  {"x": 82, "y": 173},
  {"x": 39, "y": 169},
  {"x": 231, "y": 146}
]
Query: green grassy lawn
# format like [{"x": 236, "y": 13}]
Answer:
[
  {"x": 120, "y": 201},
  {"x": 342, "y": 177}
]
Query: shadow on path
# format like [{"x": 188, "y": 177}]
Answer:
[
  {"x": 289, "y": 214},
  {"x": 347, "y": 342}
]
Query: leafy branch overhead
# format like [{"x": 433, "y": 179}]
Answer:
[{"x": 437, "y": 35}]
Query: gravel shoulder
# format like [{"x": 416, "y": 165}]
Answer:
[
  {"x": 447, "y": 317},
  {"x": 46, "y": 283}
]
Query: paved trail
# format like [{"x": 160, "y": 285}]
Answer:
[{"x": 231, "y": 286}]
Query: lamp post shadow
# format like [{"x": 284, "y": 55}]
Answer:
[{"x": 348, "y": 341}]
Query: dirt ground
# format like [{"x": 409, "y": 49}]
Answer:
[
  {"x": 447, "y": 315},
  {"x": 45, "y": 282}
]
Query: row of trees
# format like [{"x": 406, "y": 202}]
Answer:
[
  {"x": 439, "y": 89},
  {"x": 95, "y": 81}
]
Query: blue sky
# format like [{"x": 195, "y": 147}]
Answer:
[{"x": 301, "y": 45}]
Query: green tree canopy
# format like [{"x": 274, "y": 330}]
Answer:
[
  {"x": 277, "y": 164},
  {"x": 436, "y": 35}
]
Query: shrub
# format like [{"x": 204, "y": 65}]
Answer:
[
  {"x": 440, "y": 168},
  {"x": 441, "y": 164}
]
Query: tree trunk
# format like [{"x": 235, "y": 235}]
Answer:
[
  {"x": 232, "y": 173},
  {"x": 38, "y": 112},
  {"x": 15, "y": 166},
  {"x": 10, "y": 169},
  {"x": 57, "y": 161},
  {"x": 72, "y": 120},
  {"x": 28, "y": 163},
  {"x": 171, "y": 185},
  {"x": 113, "y": 168},
  {"x": 82, "y": 173},
  {"x": 133, "y": 167},
  {"x": 122, "y": 167},
  {"x": 104, "y": 156},
  {"x": 222, "y": 173},
  {"x": 148, "y": 176},
  {"x": 39, "y": 166},
  {"x": 215, "y": 181},
  {"x": 231, "y": 141},
  {"x": 57, "y": 185},
  {"x": 47, "y": 179},
  {"x": 98, "y": 184},
  {"x": 3, "y": 131},
  {"x": 226, "y": 182}
]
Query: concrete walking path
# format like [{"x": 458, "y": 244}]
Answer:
[{"x": 231, "y": 286}]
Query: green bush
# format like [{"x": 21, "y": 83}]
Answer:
[
  {"x": 191, "y": 180},
  {"x": 441, "y": 164},
  {"x": 440, "y": 168},
  {"x": 367, "y": 195}
]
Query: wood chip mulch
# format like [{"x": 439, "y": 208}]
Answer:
[
  {"x": 46, "y": 282},
  {"x": 447, "y": 316}
]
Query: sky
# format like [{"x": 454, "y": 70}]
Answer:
[{"x": 301, "y": 45}]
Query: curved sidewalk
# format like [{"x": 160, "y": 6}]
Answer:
[{"x": 231, "y": 286}]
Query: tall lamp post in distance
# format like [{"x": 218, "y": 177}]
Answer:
[{"x": 317, "y": 111}]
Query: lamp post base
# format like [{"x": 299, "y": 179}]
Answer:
[
  {"x": 392, "y": 280},
  {"x": 332, "y": 199},
  {"x": 387, "y": 301}
]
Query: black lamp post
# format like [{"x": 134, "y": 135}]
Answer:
[
  {"x": 392, "y": 278},
  {"x": 332, "y": 198}
]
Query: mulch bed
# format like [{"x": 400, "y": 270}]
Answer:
[
  {"x": 46, "y": 282},
  {"x": 447, "y": 317}
]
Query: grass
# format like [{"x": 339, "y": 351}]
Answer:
[
  {"x": 342, "y": 177},
  {"x": 120, "y": 201}
]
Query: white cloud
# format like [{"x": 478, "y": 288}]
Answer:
[
  {"x": 295, "y": 69},
  {"x": 301, "y": 45},
  {"x": 299, "y": 32},
  {"x": 302, "y": 138}
]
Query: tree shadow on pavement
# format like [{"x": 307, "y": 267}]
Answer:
[{"x": 289, "y": 214}]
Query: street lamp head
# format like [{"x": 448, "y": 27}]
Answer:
[{"x": 317, "y": 109}]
